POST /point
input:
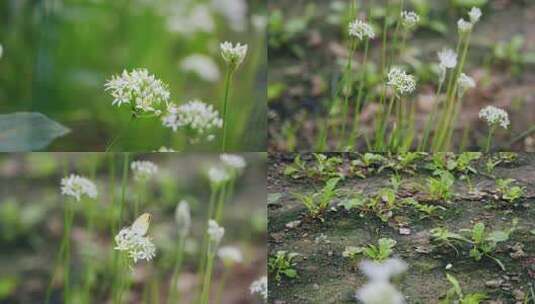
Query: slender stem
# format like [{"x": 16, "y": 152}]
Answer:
[
  {"x": 430, "y": 119},
  {"x": 356, "y": 121},
  {"x": 173, "y": 290},
  {"x": 222, "y": 282},
  {"x": 221, "y": 203},
  {"x": 114, "y": 140},
  {"x": 347, "y": 85},
  {"x": 489, "y": 138},
  {"x": 207, "y": 277},
  {"x": 228, "y": 79}
]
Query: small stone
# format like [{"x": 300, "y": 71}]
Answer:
[
  {"x": 493, "y": 283},
  {"x": 519, "y": 295},
  {"x": 293, "y": 224},
  {"x": 404, "y": 231},
  {"x": 330, "y": 253},
  {"x": 316, "y": 286}
]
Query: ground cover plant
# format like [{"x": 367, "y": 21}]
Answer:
[
  {"x": 99, "y": 75},
  {"x": 439, "y": 230},
  {"x": 133, "y": 228},
  {"x": 400, "y": 75}
]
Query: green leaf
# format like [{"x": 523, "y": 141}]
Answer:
[
  {"x": 28, "y": 131},
  {"x": 291, "y": 273},
  {"x": 455, "y": 284},
  {"x": 474, "y": 298},
  {"x": 498, "y": 236}
]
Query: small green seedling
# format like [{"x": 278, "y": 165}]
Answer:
[
  {"x": 282, "y": 264},
  {"x": 507, "y": 191},
  {"x": 318, "y": 203},
  {"x": 443, "y": 237},
  {"x": 456, "y": 295},
  {"x": 352, "y": 253},
  {"x": 356, "y": 201},
  {"x": 440, "y": 188},
  {"x": 382, "y": 251},
  {"x": 426, "y": 210},
  {"x": 322, "y": 168},
  {"x": 485, "y": 243}
]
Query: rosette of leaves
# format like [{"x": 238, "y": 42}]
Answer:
[
  {"x": 282, "y": 264},
  {"x": 507, "y": 191}
]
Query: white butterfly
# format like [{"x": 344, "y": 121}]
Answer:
[{"x": 141, "y": 224}]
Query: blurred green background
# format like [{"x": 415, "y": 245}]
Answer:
[{"x": 59, "y": 53}]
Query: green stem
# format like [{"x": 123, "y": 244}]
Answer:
[
  {"x": 114, "y": 140},
  {"x": 430, "y": 119},
  {"x": 207, "y": 277},
  {"x": 489, "y": 138},
  {"x": 173, "y": 290},
  {"x": 228, "y": 79},
  {"x": 222, "y": 281},
  {"x": 356, "y": 121},
  {"x": 347, "y": 85}
]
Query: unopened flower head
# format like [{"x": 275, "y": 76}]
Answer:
[
  {"x": 233, "y": 54},
  {"x": 464, "y": 26},
  {"x": 409, "y": 20},
  {"x": 233, "y": 161},
  {"x": 475, "y": 14},
  {"x": 401, "y": 82},
  {"x": 78, "y": 186},
  {"x": 447, "y": 58},
  {"x": 143, "y": 169},
  {"x": 260, "y": 287},
  {"x": 218, "y": 175},
  {"x": 197, "y": 118},
  {"x": 495, "y": 116},
  {"x": 133, "y": 240},
  {"x": 140, "y": 89},
  {"x": 183, "y": 218},
  {"x": 215, "y": 233},
  {"x": 465, "y": 83},
  {"x": 230, "y": 255},
  {"x": 361, "y": 30}
]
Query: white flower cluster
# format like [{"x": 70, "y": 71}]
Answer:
[
  {"x": 410, "y": 19},
  {"x": 140, "y": 89},
  {"x": 218, "y": 175},
  {"x": 447, "y": 58},
  {"x": 379, "y": 290},
  {"x": 143, "y": 169},
  {"x": 78, "y": 186},
  {"x": 215, "y": 233},
  {"x": 196, "y": 117},
  {"x": 402, "y": 82},
  {"x": 361, "y": 30},
  {"x": 233, "y": 161},
  {"x": 133, "y": 240},
  {"x": 465, "y": 83},
  {"x": 183, "y": 218},
  {"x": 230, "y": 255},
  {"x": 466, "y": 26},
  {"x": 495, "y": 116},
  {"x": 233, "y": 55},
  {"x": 260, "y": 287},
  {"x": 202, "y": 65}
]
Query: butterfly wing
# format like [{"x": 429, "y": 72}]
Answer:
[{"x": 141, "y": 224}]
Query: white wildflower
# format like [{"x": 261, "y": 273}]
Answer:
[
  {"x": 260, "y": 287},
  {"x": 78, "y": 186},
  {"x": 361, "y": 30},
  {"x": 133, "y": 240},
  {"x": 165, "y": 149},
  {"x": 234, "y": 161},
  {"x": 495, "y": 116},
  {"x": 197, "y": 118},
  {"x": 143, "y": 169},
  {"x": 218, "y": 175},
  {"x": 409, "y": 20},
  {"x": 233, "y": 55},
  {"x": 465, "y": 83},
  {"x": 140, "y": 89},
  {"x": 400, "y": 81},
  {"x": 183, "y": 218},
  {"x": 475, "y": 14},
  {"x": 379, "y": 290},
  {"x": 230, "y": 255},
  {"x": 464, "y": 26},
  {"x": 447, "y": 58},
  {"x": 202, "y": 65},
  {"x": 215, "y": 233}
]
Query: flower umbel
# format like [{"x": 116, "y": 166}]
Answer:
[
  {"x": 464, "y": 26},
  {"x": 233, "y": 54},
  {"x": 475, "y": 14},
  {"x": 495, "y": 116},
  {"x": 260, "y": 287},
  {"x": 78, "y": 186},
  {"x": 196, "y": 117},
  {"x": 140, "y": 89},
  {"x": 215, "y": 233},
  {"x": 230, "y": 255},
  {"x": 143, "y": 169},
  {"x": 233, "y": 161},
  {"x": 465, "y": 83},
  {"x": 409, "y": 20},
  {"x": 402, "y": 82},
  {"x": 448, "y": 58},
  {"x": 218, "y": 175},
  {"x": 361, "y": 30},
  {"x": 183, "y": 218},
  {"x": 133, "y": 240}
]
